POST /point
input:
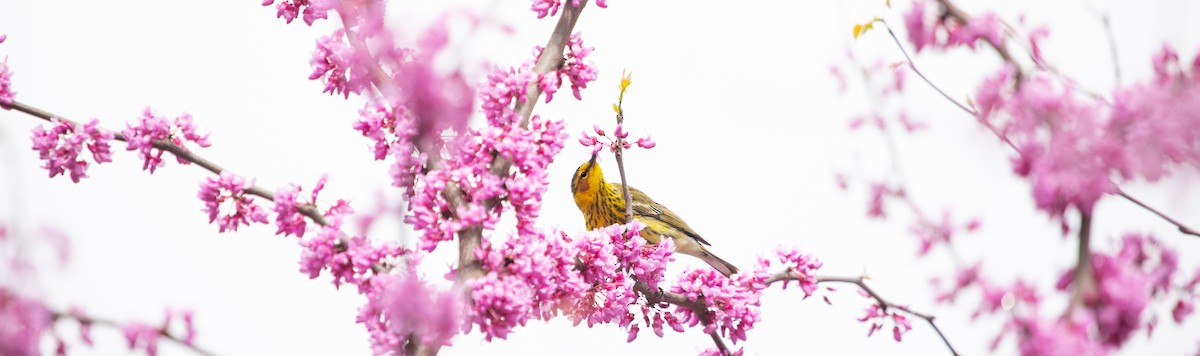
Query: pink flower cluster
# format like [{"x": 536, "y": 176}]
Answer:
[
  {"x": 801, "y": 267},
  {"x": 340, "y": 65},
  {"x": 1070, "y": 147},
  {"x": 601, "y": 139},
  {"x": 550, "y": 7},
  {"x": 943, "y": 32},
  {"x": 287, "y": 213},
  {"x": 531, "y": 151},
  {"x": 1126, "y": 283},
  {"x": 877, "y": 315},
  {"x": 61, "y": 145},
  {"x": 575, "y": 67},
  {"x": 589, "y": 278},
  {"x": 22, "y": 323},
  {"x": 394, "y": 134},
  {"x": 225, "y": 200},
  {"x": 313, "y": 10},
  {"x": 401, "y": 307},
  {"x": 6, "y": 92},
  {"x": 151, "y": 129},
  {"x": 351, "y": 260},
  {"x": 143, "y": 336},
  {"x": 1059, "y": 336},
  {"x": 733, "y": 309}
]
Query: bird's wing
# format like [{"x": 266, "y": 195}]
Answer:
[{"x": 644, "y": 207}]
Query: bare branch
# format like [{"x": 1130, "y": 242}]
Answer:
[{"x": 1182, "y": 228}]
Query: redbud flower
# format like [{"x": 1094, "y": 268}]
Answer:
[
  {"x": 288, "y": 218},
  {"x": 6, "y": 92},
  {"x": 733, "y": 309},
  {"x": 339, "y": 64},
  {"x": 22, "y": 324},
  {"x": 61, "y": 145},
  {"x": 225, "y": 200},
  {"x": 646, "y": 142},
  {"x": 139, "y": 335},
  {"x": 150, "y": 129}
]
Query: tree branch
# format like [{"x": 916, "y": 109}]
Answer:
[
  {"x": 995, "y": 131},
  {"x": 469, "y": 239},
  {"x": 162, "y": 332},
  {"x": 307, "y": 210},
  {"x": 1182, "y": 228},
  {"x": 1085, "y": 277}
]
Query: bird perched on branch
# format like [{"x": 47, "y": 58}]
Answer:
[{"x": 603, "y": 204}]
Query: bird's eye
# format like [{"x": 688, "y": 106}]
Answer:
[{"x": 583, "y": 175}]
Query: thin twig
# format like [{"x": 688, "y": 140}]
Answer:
[
  {"x": 995, "y": 131},
  {"x": 1182, "y": 228},
  {"x": 1112, "y": 47},
  {"x": 308, "y": 210},
  {"x": 952, "y": 11},
  {"x": 654, "y": 297},
  {"x": 162, "y": 332},
  {"x": 884, "y": 304}
]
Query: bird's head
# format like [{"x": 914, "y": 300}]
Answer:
[{"x": 587, "y": 180}]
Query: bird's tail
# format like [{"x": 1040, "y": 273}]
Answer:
[{"x": 722, "y": 266}]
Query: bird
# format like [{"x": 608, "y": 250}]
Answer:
[{"x": 603, "y": 204}]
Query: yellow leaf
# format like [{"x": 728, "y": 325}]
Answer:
[
  {"x": 616, "y": 109},
  {"x": 858, "y": 28},
  {"x": 626, "y": 80}
]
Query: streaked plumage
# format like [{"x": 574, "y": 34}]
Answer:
[{"x": 602, "y": 205}]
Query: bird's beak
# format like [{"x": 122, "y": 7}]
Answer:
[{"x": 593, "y": 161}]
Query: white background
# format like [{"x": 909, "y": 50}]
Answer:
[{"x": 751, "y": 130}]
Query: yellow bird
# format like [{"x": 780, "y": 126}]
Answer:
[{"x": 603, "y": 204}]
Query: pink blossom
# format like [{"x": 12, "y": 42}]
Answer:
[
  {"x": 1058, "y": 336},
  {"x": 313, "y": 10},
  {"x": 400, "y": 306},
  {"x": 6, "y": 90},
  {"x": 718, "y": 352},
  {"x": 1181, "y": 310},
  {"x": 876, "y": 208},
  {"x": 733, "y": 309},
  {"x": 646, "y": 142},
  {"x": 151, "y": 129},
  {"x": 340, "y": 65},
  {"x": 877, "y": 315},
  {"x": 550, "y": 7},
  {"x": 61, "y": 145},
  {"x": 919, "y": 32},
  {"x": 530, "y": 150},
  {"x": 545, "y": 7},
  {"x": 22, "y": 324},
  {"x": 225, "y": 200},
  {"x": 802, "y": 267},
  {"x": 501, "y": 304},
  {"x": 437, "y": 102},
  {"x": 506, "y": 87},
  {"x": 574, "y": 66},
  {"x": 288, "y": 217},
  {"x": 985, "y": 27},
  {"x": 143, "y": 336}
]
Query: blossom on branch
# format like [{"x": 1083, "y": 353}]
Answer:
[
  {"x": 22, "y": 323},
  {"x": 151, "y": 130},
  {"x": 313, "y": 10},
  {"x": 343, "y": 69},
  {"x": 61, "y": 145},
  {"x": 225, "y": 200}
]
